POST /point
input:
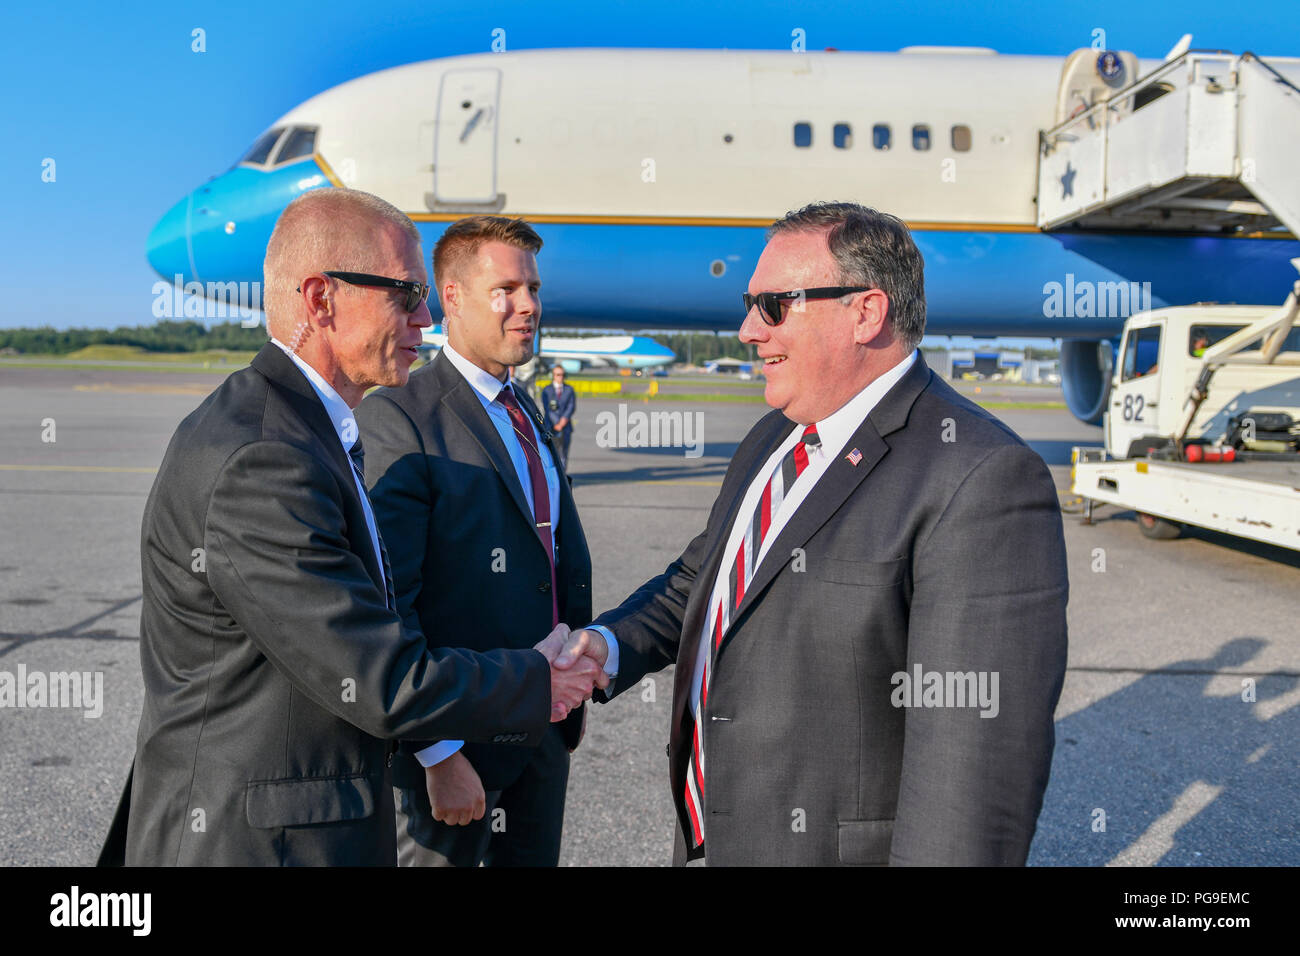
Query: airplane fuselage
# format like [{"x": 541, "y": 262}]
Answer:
[{"x": 652, "y": 175}]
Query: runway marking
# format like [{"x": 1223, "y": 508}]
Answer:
[
  {"x": 1151, "y": 847},
  {"x": 147, "y": 389},
  {"x": 84, "y": 469}
]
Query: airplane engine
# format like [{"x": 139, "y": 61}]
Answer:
[{"x": 1086, "y": 367}]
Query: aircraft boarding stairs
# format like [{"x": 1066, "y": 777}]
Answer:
[{"x": 1206, "y": 142}]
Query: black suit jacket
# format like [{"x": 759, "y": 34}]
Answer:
[
  {"x": 942, "y": 547},
  {"x": 275, "y": 671},
  {"x": 466, "y": 558}
]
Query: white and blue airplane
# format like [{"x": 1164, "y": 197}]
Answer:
[
  {"x": 635, "y": 352},
  {"x": 652, "y": 174}
]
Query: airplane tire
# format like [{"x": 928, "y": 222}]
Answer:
[{"x": 1158, "y": 529}]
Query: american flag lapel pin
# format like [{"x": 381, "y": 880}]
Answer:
[{"x": 854, "y": 457}]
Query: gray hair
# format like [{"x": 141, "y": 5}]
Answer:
[
  {"x": 327, "y": 228},
  {"x": 872, "y": 249}
]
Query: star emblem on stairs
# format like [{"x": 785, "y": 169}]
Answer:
[{"x": 1067, "y": 181}]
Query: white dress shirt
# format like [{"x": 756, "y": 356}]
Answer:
[
  {"x": 487, "y": 387},
  {"x": 835, "y": 431}
]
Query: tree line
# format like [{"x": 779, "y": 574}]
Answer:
[
  {"x": 164, "y": 336},
  {"x": 191, "y": 336}
]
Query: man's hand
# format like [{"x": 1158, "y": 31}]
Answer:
[
  {"x": 553, "y": 643},
  {"x": 455, "y": 791},
  {"x": 573, "y": 683},
  {"x": 587, "y": 642}
]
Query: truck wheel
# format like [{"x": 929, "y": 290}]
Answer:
[{"x": 1158, "y": 529}]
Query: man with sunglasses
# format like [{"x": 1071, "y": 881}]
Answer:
[
  {"x": 470, "y": 494},
  {"x": 870, "y": 632},
  {"x": 277, "y": 670}
]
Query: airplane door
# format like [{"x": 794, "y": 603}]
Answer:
[
  {"x": 465, "y": 142},
  {"x": 1134, "y": 397}
]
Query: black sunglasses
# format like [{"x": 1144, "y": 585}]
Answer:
[
  {"x": 769, "y": 303},
  {"x": 416, "y": 292}
]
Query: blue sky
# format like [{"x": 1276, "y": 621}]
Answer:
[{"x": 134, "y": 119}]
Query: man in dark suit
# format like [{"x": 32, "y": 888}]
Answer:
[
  {"x": 559, "y": 402},
  {"x": 485, "y": 539},
  {"x": 276, "y": 668},
  {"x": 870, "y": 632}
]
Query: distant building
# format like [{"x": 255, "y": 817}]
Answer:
[
  {"x": 939, "y": 360},
  {"x": 729, "y": 366},
  {"x": 1005, "y": 364}
]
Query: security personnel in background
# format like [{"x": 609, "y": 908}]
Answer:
[{"x": 559, "y": 402}]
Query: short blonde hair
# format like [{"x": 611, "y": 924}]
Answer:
[
  {"x": 463, "y": 238},
  {"x": 327, "y": 228}
]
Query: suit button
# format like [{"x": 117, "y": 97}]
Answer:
[{"x": 544, "y": 587}]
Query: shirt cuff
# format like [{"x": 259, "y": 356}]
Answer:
[
  {"x": 437, "y": 753},
  {"x": 611, "y": 660}
]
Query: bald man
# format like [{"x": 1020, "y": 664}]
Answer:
[{"x": 277, "y": 671}]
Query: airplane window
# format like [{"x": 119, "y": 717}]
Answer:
[
  {"x": 961, "y": 138},
  {"x": 262, "y": 148},
  {"x": 843, "y": 136},
  {"x": 300, "y": 142},
  {"x": 803, "y": 134},
  {"x": 920, "y": 136},
  {"x": 880, "y": 136}
]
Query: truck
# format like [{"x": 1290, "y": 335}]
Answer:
[{"x": 1203, "y": 423}]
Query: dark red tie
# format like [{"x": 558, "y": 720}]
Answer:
[
  {"x": 524, "y": 434},
  {"x": 778, "y": 486}
]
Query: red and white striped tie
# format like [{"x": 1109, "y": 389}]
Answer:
[{"x": 742, "y": 572}]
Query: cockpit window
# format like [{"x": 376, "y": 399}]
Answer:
[
  {"x": 262, "y": 148},
  {"x": 300, "y": 142}
]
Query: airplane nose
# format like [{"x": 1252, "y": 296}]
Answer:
[
  {"x": 168, "y": 246},
  {"x": 219, "y": 232}
]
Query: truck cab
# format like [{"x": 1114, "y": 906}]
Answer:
[{"x": 1160, "y": 360}]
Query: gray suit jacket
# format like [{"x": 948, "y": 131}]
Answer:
[
  {"x": 275, "y": 672},
  {"x": 947, "y": 554},
  {"x": 466, "y": 558}
]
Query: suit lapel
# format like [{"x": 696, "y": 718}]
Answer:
[
  {"x": 280, "y": 370},
  {"x": 839, "y": 481},
  {"x": 775, "y": 428},
  {"x": 460, "y": 398}
]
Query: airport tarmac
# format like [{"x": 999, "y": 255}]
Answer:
[{"x": 1159, "y": 760}]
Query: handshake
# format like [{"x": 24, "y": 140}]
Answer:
[{"x": 577, "y": 662}]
